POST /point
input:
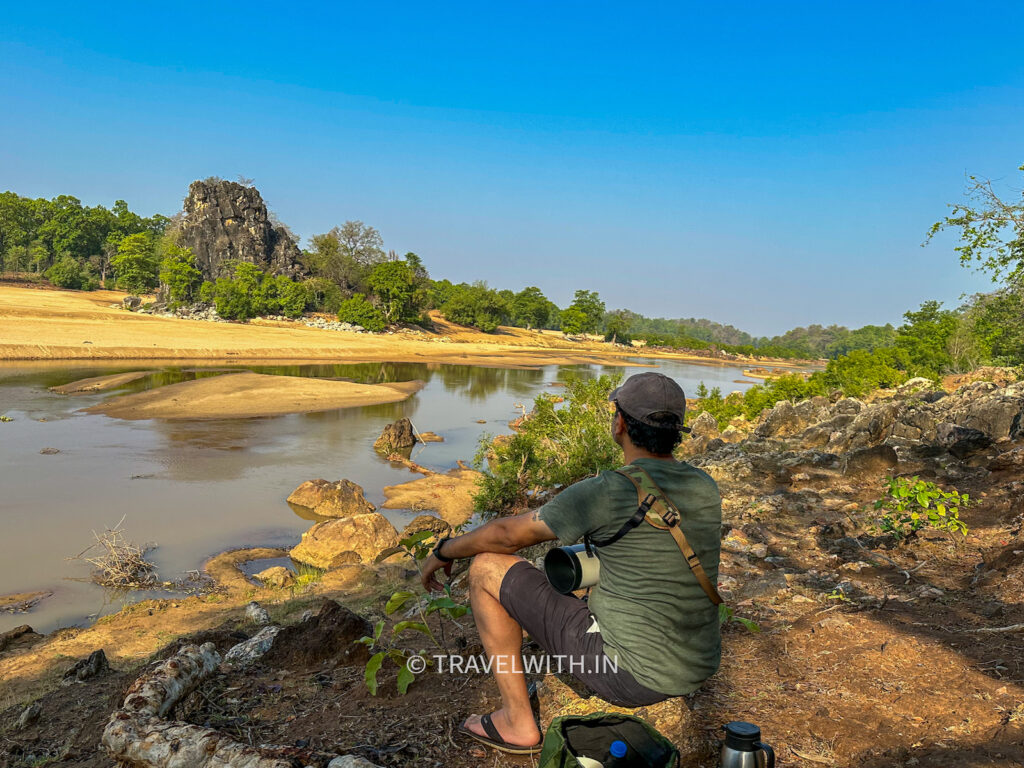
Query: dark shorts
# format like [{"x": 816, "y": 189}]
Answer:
[{"x": 559, "y": 623}]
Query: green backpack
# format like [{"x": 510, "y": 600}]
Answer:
[{"x": 571, "y": 736}]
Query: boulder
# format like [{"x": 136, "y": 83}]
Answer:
[
  {"x": 961, "y": 441},
  {"x": 88, "y": 668},
  {"x": 732, "y": 435},
  {"x": 916, "y": 384},
  {"x": 330, "y": 634},
  {"x": 705, "y": 425},
  {"x": 395, "y": 437},
  {"x": 782, "y": 420},
  {"x": 225, "y": 221},
  {"x": 737, "y": 542},
  {"x": 426, "y": 523},
  {"x": 277, "y": 577},
  {"x": 997, "y": 416},
  {"x": 131, "y": 302},
  {"x": 870, "y": 463},
  {"x": 257, "y": 614},
  {"x": 1011, "y": 460},
  {"x": 366, "y": 535},
  {"x": 322, "y": 497}
]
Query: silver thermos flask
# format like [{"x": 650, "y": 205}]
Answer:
[{"x": 743, "y": 747}]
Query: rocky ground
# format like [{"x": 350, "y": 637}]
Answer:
[{"x": 869, "y": 652}]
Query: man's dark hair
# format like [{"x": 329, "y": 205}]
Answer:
[{"x": 657, "y": 440}]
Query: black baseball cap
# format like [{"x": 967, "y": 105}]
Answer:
[{"x": 643, "y": 395}]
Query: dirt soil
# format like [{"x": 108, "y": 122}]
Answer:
[
  {"x": 42, "y": 323},
  {"x": 247, "y": 395}
]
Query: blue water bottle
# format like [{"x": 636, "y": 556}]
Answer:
[{"x": 617, "y": 755}]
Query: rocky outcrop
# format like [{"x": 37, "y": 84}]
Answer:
[
  {"x": 326, "y": 499},
  {"x": 225, "y": 221},
  {"x": 815, "y": 440},
  {"x": 395, "y": 437},
  {"x": 324, "y": 544}
]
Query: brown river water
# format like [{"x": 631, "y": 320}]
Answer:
[{"x": 196, "y": 488}]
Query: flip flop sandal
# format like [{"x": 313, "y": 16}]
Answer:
[{"x": 494, "y": 741}]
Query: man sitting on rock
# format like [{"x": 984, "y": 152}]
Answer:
[{"x": 649, "y": 631}]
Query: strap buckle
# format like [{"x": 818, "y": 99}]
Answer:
[
  {"x": 648, "y": 502},
  {"x": 670, "y": 518}
]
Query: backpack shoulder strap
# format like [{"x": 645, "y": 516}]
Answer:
[{"x": 663, "y": 514}]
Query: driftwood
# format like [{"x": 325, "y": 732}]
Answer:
[
  {"x": 138, "y": 735},
  {"x": 398, "y": 458},
  {"x": 156, "y": 743}
]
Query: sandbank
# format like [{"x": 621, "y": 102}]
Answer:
[
  {"x": 99, "y": 383},
  {"x": 247, "y": 395}
]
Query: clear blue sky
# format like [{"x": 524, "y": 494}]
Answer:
[{"x": 761, "y": 164}]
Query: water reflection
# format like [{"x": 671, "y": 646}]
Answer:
[{"x": 199, "y": 487}]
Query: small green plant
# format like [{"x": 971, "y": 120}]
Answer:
[
  {"x": 416, "y": 547},
  {"x": 838, "y": 594},
  {"x": 398, "y": 656},
  {"x": 727, "y": 616},
  {"x": 910, "y": 504},
  {"x": 306, "y": 575}
]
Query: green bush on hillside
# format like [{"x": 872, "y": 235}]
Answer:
[
  {"x": 66, "y": 273},
  {"x": 552, "y": 448},
  {"x": 358, "y": 311}
]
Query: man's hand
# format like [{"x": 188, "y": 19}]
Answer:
[{"x": 430, "y": 567}]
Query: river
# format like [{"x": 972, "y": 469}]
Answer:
[{"x": 195, "y": 488}]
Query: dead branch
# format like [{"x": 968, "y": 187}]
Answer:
[
  {"x": 997, "y": 630},
  {"x": 119, "y": 562}
]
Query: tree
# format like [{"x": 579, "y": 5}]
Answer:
[
  {"x": 393, "y": 284},
  {"x": 135, "y": 264},
  {"x": 617, "y": 327},
  {"x": 475, "y": 305},
  {"x": 926, "y": 334},
  {"x": 573, "y": 321},
  {"x": 179, "y": 273},
  {"x": 358, "y": 311},
  {"x": 586, "y": 312},
  {"x": 346, "y": 255},
  {"x": 530, "y": 308},
  {"x": 991, "y": 231}
]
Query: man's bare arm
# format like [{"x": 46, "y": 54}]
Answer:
[{"x": 504, "y": 535}]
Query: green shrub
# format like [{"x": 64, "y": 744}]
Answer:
[
  {"x": 910, "y": 504},
  {"x": 323, "y": 295},
  {"x": 860, "y": 372},
  {"x": 358, "y": 311},
  {"x": 751, "y": 403},
  {"x": 66, "y": 273},
  {"x": 232, "y": 299},
  {"x": 552, "y": 448}
]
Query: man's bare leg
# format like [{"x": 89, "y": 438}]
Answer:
[{"x": 502, "y": 638}]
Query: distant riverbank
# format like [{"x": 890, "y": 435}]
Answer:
[{"x": 46, "y": 324}]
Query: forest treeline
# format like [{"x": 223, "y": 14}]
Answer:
[{"x": 349, "y": 273}]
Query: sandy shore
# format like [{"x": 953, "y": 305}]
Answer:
[
  {"x": 247, "y": 395},
  {"x": 47, "y": 324}
]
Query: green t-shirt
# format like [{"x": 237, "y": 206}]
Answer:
[{"x": 652, "y": 612}]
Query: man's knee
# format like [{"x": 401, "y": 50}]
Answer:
[{"x": 488, "y": 569}]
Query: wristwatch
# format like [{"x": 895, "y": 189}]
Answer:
[{"x": 437, "y": 552}]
